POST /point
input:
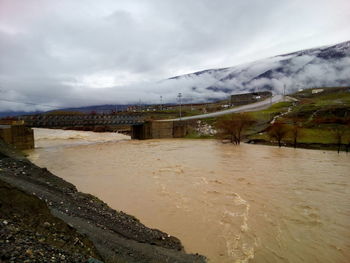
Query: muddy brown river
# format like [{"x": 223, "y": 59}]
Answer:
[{"x": 247, "y": 203}]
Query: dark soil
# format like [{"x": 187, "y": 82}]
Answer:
[{"x": 116, "y": 236}]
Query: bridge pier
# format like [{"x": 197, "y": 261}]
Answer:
[
  {"x": 16, "y": 134},
  {"x": 159, "y": 130}
]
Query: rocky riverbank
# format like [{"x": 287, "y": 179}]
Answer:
[
  {"x": 45, "y": 219},
  {"x": 29, "y": 232}
]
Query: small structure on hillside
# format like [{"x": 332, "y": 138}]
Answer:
[
  {"x": 16, "y": 134},
  {"x": 247, "y": 98},
  {"x": 315, "y": 91}
]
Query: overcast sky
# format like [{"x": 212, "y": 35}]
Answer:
[{"x": 72, "y": 53}]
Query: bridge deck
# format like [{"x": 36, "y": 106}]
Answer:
[{"x": 81, "y": 120}]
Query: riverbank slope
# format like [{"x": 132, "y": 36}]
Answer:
[{"x": 115, "y": 236}]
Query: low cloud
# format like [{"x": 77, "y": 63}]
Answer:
[{"x": 68, "y": 53}]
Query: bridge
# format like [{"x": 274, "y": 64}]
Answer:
[
  {"x": 140, "y": 128},
  {"x": 61, "y": 121}
]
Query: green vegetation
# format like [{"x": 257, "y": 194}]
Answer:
[
  {"x": 195, "y": 135},
  {"x": 272, "y": 111},
  {"x": 321, "y": 118},
  {"x": 263, "y": 118},
  {"x": 317, "y": 135}
]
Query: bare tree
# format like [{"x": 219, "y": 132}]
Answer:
[
  {"x": 339, "y": 133},
  {"x": 234, "y": 126},
  {"x": 278, "y": 131},
  {"x": 296, "y": 131},
  {"x": 347, "y": 145}
]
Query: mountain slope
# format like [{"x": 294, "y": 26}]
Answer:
[{"x": 324, "y": 66}]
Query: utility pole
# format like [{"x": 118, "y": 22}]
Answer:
[
  {"x": 191, "y": 104},
  {"x": 161, "y": 102},
  {"x": 180, "y": 96},
  {"x": 284, "y": 92}
]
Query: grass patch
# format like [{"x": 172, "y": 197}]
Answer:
[
  {"x": 316, "y": 136},
  {"x": 307, "y": 135},
  {"x": 195, "y": 135},
  {"x": 259, "y": 136},
  {"x": 269, "y": 113}
]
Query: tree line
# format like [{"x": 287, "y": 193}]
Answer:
[{"x": 234, "y": 128}]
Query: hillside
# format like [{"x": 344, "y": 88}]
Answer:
[
  {"x": 319, "y": 67},
  {"x": 322, "y": 119}
]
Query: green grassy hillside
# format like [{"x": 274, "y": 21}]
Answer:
[{"x": 319, "y": 117}]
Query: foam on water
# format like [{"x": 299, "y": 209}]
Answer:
[
  {"x": 53, "y": 137},
  {"x": 239, "y": 247}
]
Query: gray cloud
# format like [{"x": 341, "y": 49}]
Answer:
[{"x": 74, "y": 53}]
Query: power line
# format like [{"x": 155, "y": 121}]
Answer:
[{"x": 180, "y": 96}]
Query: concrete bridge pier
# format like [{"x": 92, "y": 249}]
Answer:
[
  {"x": 16, "y": 134},
  {"x": 159, "y": 130}
]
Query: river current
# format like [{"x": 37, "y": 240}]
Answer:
[{"x": 247, "y": 203}]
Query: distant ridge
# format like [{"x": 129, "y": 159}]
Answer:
[{"x": 316, "y": 67}]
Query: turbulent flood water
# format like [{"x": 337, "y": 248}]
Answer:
[{"x": 249, "y": 203}]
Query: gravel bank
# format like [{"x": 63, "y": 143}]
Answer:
[{"x": 38, "y": 238}]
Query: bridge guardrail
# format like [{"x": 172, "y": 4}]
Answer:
[{"x": 81, "y": 120}]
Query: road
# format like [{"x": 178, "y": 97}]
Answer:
[{"x": 244, "y": 108}]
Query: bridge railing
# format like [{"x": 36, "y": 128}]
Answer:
[{"x": 80, "y": 120}]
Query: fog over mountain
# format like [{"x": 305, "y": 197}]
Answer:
[
  {"x": 319, "y": 67},
  {"x": 326, "y": 66},
  {"x": 60, "y": 54}
]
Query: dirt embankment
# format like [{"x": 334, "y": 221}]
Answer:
[{"x": 44, "y": 216}]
